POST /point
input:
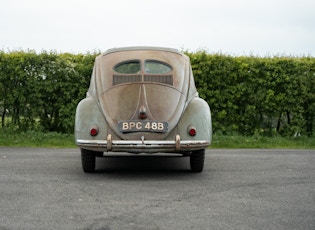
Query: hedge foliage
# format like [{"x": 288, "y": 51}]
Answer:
[
  {"x": 247, "y": 95},
  {"x": 41, "y": 91},
  {"x": 254, "y": 95}
]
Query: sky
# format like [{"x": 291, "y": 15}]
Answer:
[{"x": 233, "y": 27}]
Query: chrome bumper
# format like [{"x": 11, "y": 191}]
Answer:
[{"x": 142, "y": 146}]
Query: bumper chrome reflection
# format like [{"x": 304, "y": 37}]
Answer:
[{"x": 176, "y": 145}]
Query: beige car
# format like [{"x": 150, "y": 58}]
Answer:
[{"x": 142, "y": 100}]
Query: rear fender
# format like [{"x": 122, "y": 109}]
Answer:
[
  {"x": 88, "y": 115},
  {"x": 198, "y": 115}
]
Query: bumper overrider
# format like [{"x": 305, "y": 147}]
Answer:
[{"x": 145, "y": 146}]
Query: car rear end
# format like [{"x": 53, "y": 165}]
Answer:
[{"x": 142, "y": 100}]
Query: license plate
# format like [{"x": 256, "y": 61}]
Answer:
[{"x": 142, "y": 126}]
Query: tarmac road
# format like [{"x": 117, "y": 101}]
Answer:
[{"x": 239, "y": 189}]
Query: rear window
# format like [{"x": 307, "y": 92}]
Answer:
[
  {"x": 156, "y": 67},
  {"x": 128, "y": 67},
  {"x": 148, "y": 71}
]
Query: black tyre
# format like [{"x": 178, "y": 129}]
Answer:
[
  {"x": 197, "y": 159},
  {"x": 88, "y": 160}
]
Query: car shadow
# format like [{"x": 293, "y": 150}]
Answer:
[{"x": 139, "y": 164}]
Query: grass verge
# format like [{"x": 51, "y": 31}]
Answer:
[
  {"x": 58, "y": 140},
  {"x": 36, "y": 139},
  {"x": 237, "y": 141}
]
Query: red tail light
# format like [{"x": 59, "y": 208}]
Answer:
[
  {"x": 192, "y": 131},
  {"x": 94, "y": 131}
]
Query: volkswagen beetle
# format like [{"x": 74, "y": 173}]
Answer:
[{"x": 142, "y": 100}]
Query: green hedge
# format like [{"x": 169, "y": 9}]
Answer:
[
  {"x": 251, "y": 95},
  {"x": 247, "y": 95},
  {"x": 41, "y": 91}
]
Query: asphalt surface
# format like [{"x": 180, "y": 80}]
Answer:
[{"x": 239, "y": 189}]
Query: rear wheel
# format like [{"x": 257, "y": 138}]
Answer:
[
  {"x": 197, "y": 159},
  {"x": 88, "y": 160}
]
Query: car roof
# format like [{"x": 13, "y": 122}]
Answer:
[{"x": 133, "y": 48}]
